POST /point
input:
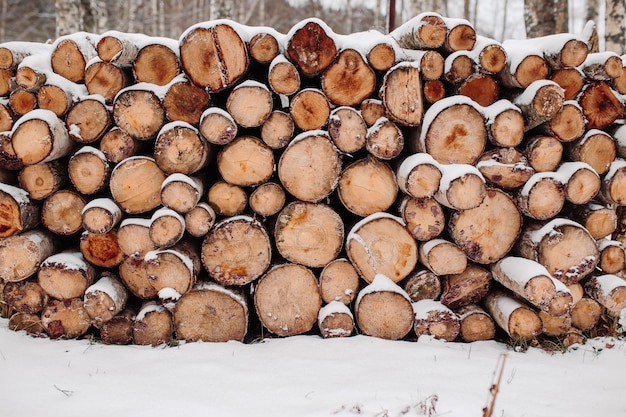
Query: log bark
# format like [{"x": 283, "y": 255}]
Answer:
[
  {"x": 424, "y": 217},
  {"x": 475, "y": 324},
  {"x": 236, "y": 251},
  {"x": 311, "y": 47},
  {"x": 131, "y": 102},
  {"x": 246, "y": 161},
  {"x": 401, "y": 94},
  {"x": 101, "y": 249},
  {"x": 435, "y": 319},
  {"x": 380, "y": 244},
  {"x": 116, "y": 48},
  {"x": 602, "y": 66},
  {"x": 30, "y": 323},
  {"x": 309, "y": 234},
  {"x": 517, "y": 319},
  {"x": 65, "y": 318},
  {"x": 40, "y": 137},
  {"x": 347, "y": 129},
  {"x": 105, "y": 298},
  {"x": 43, "y": 179},
  {"x": 467, "y": 287},
  {"x": 153, "y": 325},
  {"x": 211, "y": 313},
  {"x": 339, "y": 281},
  {"x": 61, "y": 212},
  {"x": 349, "y": 79},
  {"x": 292, "y": 282},
  {"x": 564, "y": 50},
  {"x": 384, "y": 310},
  {"x": 250, "y": 103},
  {"x": 335, "y": 320},
  {"x": 89, "y": 170},
  {"x": 424, "y": 31},
  {"x": 18, "y": 213},
  {"x": 135, "y": 184},
  {"x": 422, "y": 284},
  {"x": 609, "y": 290}
]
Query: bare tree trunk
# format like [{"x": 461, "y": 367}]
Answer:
[
  {"x": 69, "y": 17},
  {"x": 561, "y": 16},
  {"x": 539, "y": 17},
  {"x": 592, "y": 10},
  {"x": 615, "y": 35}
]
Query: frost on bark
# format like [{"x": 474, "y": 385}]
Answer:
[{"x": 615, "y": 26}]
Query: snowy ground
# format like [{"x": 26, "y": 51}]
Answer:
[{"x": 306, "y": 376}]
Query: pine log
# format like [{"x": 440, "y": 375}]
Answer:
[
  {"x": 118, "y": 48},
  {"x": 384, "y": 139},
  {"x": 133, "y": 236},
  {"x": 482, "y": 88},
  {"x": 58, "y": 95},
  {"x": 310, "y": 166},
  {"x": 567, "y": 125},
  {"x": 217, "y": 126},
  {"x": 105, "y": 298},
  {"x": 30, "y": 323},
  {"x": 442, "y": 257},
  {"x": 167, "y": 227},
  {"x": 435, "y": 319},
  {"x": 106, "y": 79},
  {"x": 18, "y": 213},
  {"x": 335, "y": 320},
  {"x": 563, "y": 50},
  {"x": 462, "y": 187},
  {"x": 227, "y": 199},
  {"x": 70, "y": 54},
  {"x": 380, "y": 244},
  {"x": 489, "y": 54},
  {"x": 25, "y": 296},
  {"x": 609, "y": 290},
  {"x": 599, "y": 220},
  {"x": 185, "y": 101},
  {"x": 480, "y": 232},
  {"x": 5, "y": 77},
  {"x": 349, "y": 79},
  {"x": 65, "y": 318},
  {"x": 401, "y": 94},
  {"x": 311, "y": 46},
  {"x": 600, "y": 105},
  {"x": 89, "y": 170},
  {"x": 577, "y": 291},
  {"x": 117, "y": 145},
  {"x": 347, "y": 129},
  {"x": 119, "y": 330},
  {"x": 101, "y": 215},
  {"x": 619, "y": 83},
  {"x": 339, "y": 281},
  {"x": 460, "y": 35},
  {"x": 287, "y": 299},
  {"x": 523, "y": 68},
  {"x": 612, "y": 256},
  {"x": 563, "y": 246},
  {"x": 249, "y": 103},
  {"x": 424, "y": 217},
  {"x": 43, "y": 179},
  {"x": 133, "y": 272},
  {"x": 181, "y": 193},
  {"x": 283, "y": 76},
  {"x": 602, "y": 66},
  {"x": 309, "y": 234},
  {"x": 22, "y": 102},
  {"x": 384, "y": 310},
  {"x": 172, "y": 271},
  {"x": 596, "y": 148},
  {"x": 422, "y": 284},
  {"x": 453, "y": 131},
  {"x": 264, "y": 47},
  {"x": 516, "y": 318},
  {"x": 506, "y": 168},
  {"x": 157, "y": 63},
  {"x": 371, "y": 110},
  {"x": 555, "y": 325},
  {"x": 434, "y": 90},
  {"x": 586, "y": 314},
  {"x": 210, "y": 313},
  {"x": 431, "y": 62},
  {"x": 424, "y": 31},
  {"x": 581, "y": 182},
  {"x": 539, "y": 102},
  {"x": 101, "y": 249},
  {"x": 459, "y": 66},
  {"x": 475, "y": 324},
  {"x": 466, "y": 287},
  {"x": 544, "y": 153},
  {"x": 267, "y": 199},
  {"x": 180, "y": 149},
  {"x": 277, "y": 131},
  {"x": 419, "y": 175},
  {"x": 13, "y": 53},
  {"x": 613, "y": 189},
  {"x": 571, "y": 80},
  {"x": 367, "y": 186},
  {"x": 542, "y": 197},
  {"x": 135, "y": 184},
  {"x": 40, "y": 137},
  {"x": 153, "y": 325},
  {"x": 246, "y": 161},
  {"x": 236, "y": 251},
  {"x": 131, "y": 102},
  {"x": 309, "y": 108},
  {"x": 61, "y": 212}
]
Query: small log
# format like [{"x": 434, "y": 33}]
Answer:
[
  {"x": 372, "y": 110},
  {"x": 602, "y": 66},
  {"x": 401, "y": 94},
  {"x": 65, "y": 318},
  {"x": 310, "y": 166},
  {"x": 249, "y": 103},
  {"x": 563, "y": 246},
  {"x": 30, "y": 323},
  {"x": 106, "y": 79},
  {"x": 43, "y": 179},
  {"x": 596, "y": 148},
  {"x": 454, "y": 131},
  {"x": 422, "y": 284},
  {"x": 339, "y": 281},
  {"x": 384, "y": 310},
  {"x": 460, "y": 35},
  {"x": 227, "y": 199},
  {"x": 132, "y": 101},
  {"x": 217, "y": 126},
  {"x": 277, "y": 131},
  {"x": 335, "y": 320},
  {"x": 612, "y": 256},
  {"x": 599, "y": 220},
  {"x": 480, "y": 232},
  {"x": 482, "y": 88},
  {"x": 181, "y": 193},
  {"x": 180, "y": 149},
  {"x": 384, "y": 139},
  {"x": 167, "y": 227},
  {"x": 475, "y": 324},
  {"x": 264, "y": 47},
  {"x": 101, "y": 249},
  {"x": 347, "y": 129},
  {"x": 246, "y": 161},
  {"x": 70, "y": 54},
  {"x": 153, "y": 325},
  {"x": 609, "y": 290},
  {"x": 442, "y": 257},
  {"x": 462, "y": 187},
  {"x": 133, "y": 236},
  {"x": 424, "y": 31},
  {"x": 22, "y": 102},
  {"x": 135, "y": 184},
  {"x": 210, "y": 313},
  {"x": 40, "y": 137},
  {"x": 105, "y": 298},
  {"x": 117, "y": 145},
  {"x": 516, "y": 318},
  {"x": 459, "y": 66},
  {"x": 25, "y": 296},
  {"x": 506, "y": 168},
  {"x": 119, "y": 330},
  {"x": 600, "y": 105},
  {"x": 185, "y": 101},
  {"x": 435, "y": 319},
  {"x": 101, "y": 215},
  {"x": 434, "y": 90},
  {"x": 18, "y": 213},
  {"x": 542, "y": 197},
  {"x": 118, "y": 48},
  {"x": 523, "y": 68},
  {"x": 586, "y": 314},
  {"x": 613, "y": 189},
  {"x": 133, "y": 272},
  {"x": 580, "y": 181},
  {"x": 349, "y": 79},
  {"x": 172, "y": 271},
  {"x": 309, "y": 108},
  {"x": 295, "y": 283},
  {"x": 380, "y": 244},
  {"x": 311, "y": 46},
  {"x": 489, "y": 54},
  {"x": 309, "y": 234},
  {"x": 283, "y": 76},
  {"x": 267, "y": 199},
  {"x": 236, "y": 251},
  {"x": 13, "y": 53},
  {"x": 544, "y": 153},
  {"x": 58, "y": 95},
  {"x": 539, "y": 102},
  {"x": 466, "y": 287},
  {"x": 563, "y": 50},
  {"x": 61, "y": 212},
  {"x": 89, "y": 170},
  {"x": 158, "y": 62},
  {"x": 419, "y": 175},
  {"x": 203, "y": 48},
  {"x": 431, "y": 62},
  {"x": 555, "y": 326},
  {"x": 367, "y": 186},
  {"x": 571, "y": 81},
  {"x": 424, "y": 217},
  {"x": 567, "y": 125}
]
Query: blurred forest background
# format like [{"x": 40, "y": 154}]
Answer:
[{"x": 40, "y": 20}]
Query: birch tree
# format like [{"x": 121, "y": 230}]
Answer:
[
  {"x": 545, "y": 17},
  {"x": 615, "y": 26},
  {"x": 69, "y": 17}
]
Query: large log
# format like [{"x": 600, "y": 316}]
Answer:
[{"x": 349, "y": 79}]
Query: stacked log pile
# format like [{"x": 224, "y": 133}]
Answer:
[{"x": 429, "y": 181}]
